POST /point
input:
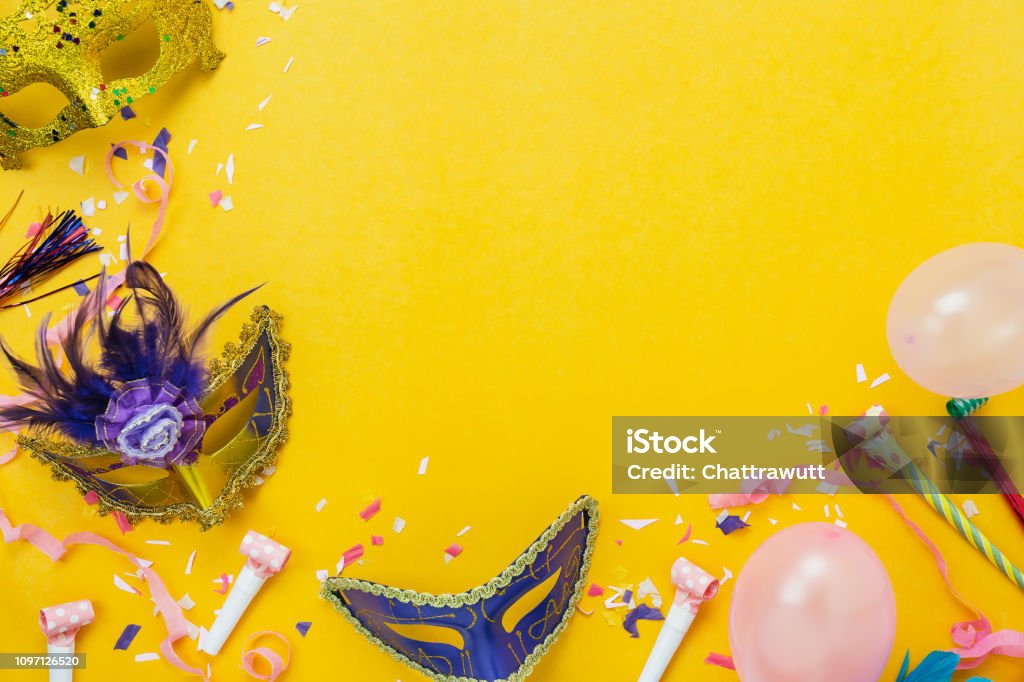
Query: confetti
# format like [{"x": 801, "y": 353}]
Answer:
[
  {"x": 637, "y": 524},
  {"x": 463, "y": 531},
  {"x": 774, "y": 433},
  {"x": 224, "y": 582},
  {"x": 192, "y": 145},
  {"x": 726, "y": 576},
  {"x": 730, "y": 524},
  {"x": 806, "y": 430},
  {"x": 91, "y": 497},
  {"x": 350, "y": 556},
  {"x": 291, "y": 60},
  {"x": 595, "y": 590},
  {"x": 229, "y": 169},
  {"x": 187, "y": 602},
  {"x": 971, "y": 509},
  {"x": 686, "y": 535},
  {"x": 127, "y": 637},
  {"x": 452, "y": 551},
  {"x": 862, "y": 376},
  {"x": 254, "y": 126},
  {"x": 127, "y": 114},
  {"x": 423, "y": 466},
  {"x": 370, "y": 510},
  {"x": 89, "y": 207},
  {"x": 827, "y": 511},
  {"x": 282, "y": 11},
  {"x": 880, "y": 380},
  {"x": 77, "y": 164},
  {"x": 321, "y": 504},
  {"x": 215, "y": 198},
  {"x": 264, "y": 103},
  {"x": 772, "y": 521},
  {"x": 262, "y": 40},
  {"x": 227, "y": 204},
  {"x": 700, "y": 542},
  {"x": 376, "y": 540},
  {"x": 840, "y": 523},
  {"x": 303, "y": 627},
  {"x": 839, "y": 512},
  {"x": 647, "y": 589},
  {"x": 159, "y": 542},
  {"x": 322, "y": 574},
  {"x": 142, "y": 658},
  {"x": 191, "y": 561},
  {"x": 163, "y": 138},
  {"x": 797, "y": 507},
  {"x": 120, "y": 584},
  {"x": 679, "y": 519},
  {"x": 641, "y": 612},
  {"x": 123, "y": 524},
  {"x": 399, "y": 525}
]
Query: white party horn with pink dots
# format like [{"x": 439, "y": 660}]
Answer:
[
  {"x": 694, "y": 586},
  {"x": 60, "y": 624},
  {"x": 264, "y": 559}
]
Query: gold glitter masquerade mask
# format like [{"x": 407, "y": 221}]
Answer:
[
  {"x": 138, "y": 418},
  {"x": 60, "y": 42}
]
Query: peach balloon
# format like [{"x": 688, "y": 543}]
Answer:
[
  {"x": 956, "y": 323},
  {"x": 813, "y": 604}
]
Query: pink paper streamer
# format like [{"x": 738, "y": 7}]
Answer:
[
  {"x": 168, "y": 608},
  {"x": 123, "y": 524},
  {"x": 370, "y": 511},
  {"x": 277, "y": 664},
  {"x": 974, "y": 638}
]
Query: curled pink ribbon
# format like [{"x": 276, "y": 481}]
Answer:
[
  {"x": 277, "y": 664},
  {"x": 168, "y": 608},
  {"x": 60, "y": 623}
]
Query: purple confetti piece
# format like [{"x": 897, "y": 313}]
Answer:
[
  {"x": 121, "y": 153},
  {"x": 81, "y": 288},
  {"x": 642, "y": 612},
  {"x": 303, "y": 627},
  {"x": 731, "y": 523},
  {"x": 627, "y": 597},
  {"x": 127, "y": 113},
  {"x": 163, "y": 138},
  {"x": 127, "y": 637}
]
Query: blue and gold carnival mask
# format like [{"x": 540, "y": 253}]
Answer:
[
  {"x": 496, "y": 632},
  {"x": 136, "y": 416}
]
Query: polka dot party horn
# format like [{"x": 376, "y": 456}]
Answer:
[
  {"x": 694, "y": 586},
  {"x": 265, "y": 558},
  {"x": 60, "y": 624}
]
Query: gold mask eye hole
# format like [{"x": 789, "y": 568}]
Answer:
[
  {"x": 34, "y": 106},
  {"x": 132, "y": 56}
]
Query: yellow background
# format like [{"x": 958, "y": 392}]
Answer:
[{"x": 492, "y": 226}]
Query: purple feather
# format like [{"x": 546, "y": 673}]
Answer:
[{"x": 154, "y": 346}]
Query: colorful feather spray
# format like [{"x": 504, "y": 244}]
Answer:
[
  {"x": 140, "y": 395},
  {"x": 58, "y": 242}
]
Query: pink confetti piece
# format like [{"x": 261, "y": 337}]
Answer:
[
  {"x": 350, "y": 556},
  {"x": 370, "y": 511},
  {"x": 619, "y": 543},
  {"x": 224, "y": 582},
  {"x": 91, "y": 497},
  {"x": 33, "y": 230},
  {"x": 595, "y": 590},
  {"x": 453, "y": 550},
  {"x": 122, "y": 522},
  {"x": 686, "y": 535},
  {"x": 215, "y": 198},
  {"x": 376, "y": 540}
]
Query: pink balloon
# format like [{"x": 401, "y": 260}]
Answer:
[
  {"x": 956, "y": 323},
  {"x": 813, "y": 604}
]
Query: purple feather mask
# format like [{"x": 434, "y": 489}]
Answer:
[{"x": 136, "y": 414}]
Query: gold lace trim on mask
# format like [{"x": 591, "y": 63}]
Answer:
[
  {"x": 245, "y": 476},
  {"x": 331, "y": 585}
]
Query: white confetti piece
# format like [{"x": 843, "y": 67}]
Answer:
[
  {"x": 880, "y": 380},
  {"x": 647, "y": 588},
  {"x": 226, "y": 203},
  {"x": 191, "y": 560},
  {"x": 262, "y": 105},
  {"x": 971, "y": 509},
  {"x": 187, "y": 602},
  {"x": 148, "y": 164},
  {"x": 120, "y": 584},
  {"x": 291, "y": 60},
  {"x": 423, "y": 466},
  {"x": 96, "y": 232},
  {"x": 28, "y": 312},
  {"x": 220, "y": 167},
  {"x": 839, "y": 512},
  {"x": 229, "y": 168},
  {"x": 463, "y": 531},
  {"x": 805, "y": 430},
  {"x": 810, "y": 410},
  {"x": 840, "y": 523},
  {"x": 262, "y": 40},
  {"x": 77, "y": 164},
  {"x": 679, "y": 519},
  {"x": 192, "y": 145},
  {"x": 700, "y": 542},
  {"x": 321, "y": 504},
  {"x": 145, "y": 562},
  {"x": 142, "y": 658},
  {"x": 797, "y": 507},
  {"x": 322, "y": 574},
  {"x": 158, "y": 542},
  {"x": 399, "y": 525},
  {"x": 746, "y": 516},
  {"x": 726, "y": 576},
  {"x": 827, "y": 488},
  {"x": 254, "y": 126},
  {"x": 772, "y": 521},
  {"x": 828, "y": 512},
  {"x": 774, "y": 433},
  {"x": 89, "y": 207},
  {"x": 637, "y": 524},
  {"x": 862, "y": 376},
  {"x": 101, "y": 204}
]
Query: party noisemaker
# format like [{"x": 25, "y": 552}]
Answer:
[
  {"x": 60, "y": 624},
  {"x": 694, "y": 586},
  {"x": 265, "y": 558}
]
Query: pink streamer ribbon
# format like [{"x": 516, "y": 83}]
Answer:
[
  {"x": 277, "y": 664},
  {"x": 169, "y": 609}
]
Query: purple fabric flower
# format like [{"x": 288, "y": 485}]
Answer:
[{"x": 152, "y": 422}]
